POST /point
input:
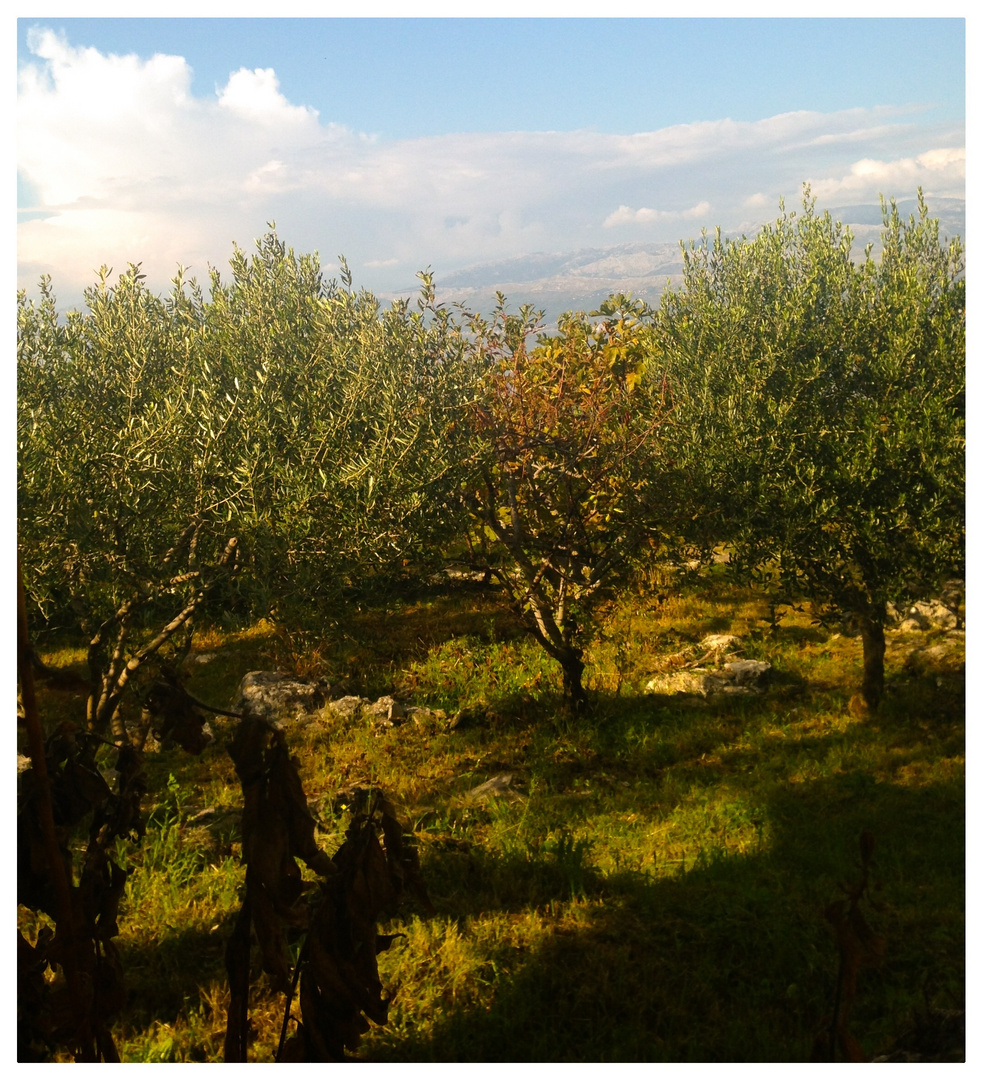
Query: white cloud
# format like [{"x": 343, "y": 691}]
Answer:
[
  {"x": 255, "y": 95},
  {"x": 858, "y": 135},
  {"x": 940, "y": 172},
  {"x": 624, "y": 215},
  {"x": 128, "y": 165},
  {"x": 710, "y": 139}
]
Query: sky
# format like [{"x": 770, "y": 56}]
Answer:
[{"x": 438, "y": 142}]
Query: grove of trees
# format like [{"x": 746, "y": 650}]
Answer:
[
  {"x": 279, "y": 440},
  {"x": 287, "y": 438},
  {"x": 275, "y": 444}
]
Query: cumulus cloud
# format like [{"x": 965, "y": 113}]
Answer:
[
  {"x": 125, "y": 163},
  {"x": 940, "y": 172},
  {"x": 624, "y": 215},
  {"x": 255, "y": 95}
]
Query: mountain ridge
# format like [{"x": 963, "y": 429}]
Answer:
[{"x": 580, "y": 280}]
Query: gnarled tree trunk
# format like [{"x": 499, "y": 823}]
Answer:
[
  {"x": 573, "y": 671},
  {"x": 872, "y": 635}
]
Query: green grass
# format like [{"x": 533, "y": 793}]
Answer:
[{"x": 655, "y": 893}]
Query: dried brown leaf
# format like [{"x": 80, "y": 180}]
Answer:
[
  {"x": 340, "y": 989},
  {"x": 269, "y": 928},
  {"x": 866, "y": 848}
]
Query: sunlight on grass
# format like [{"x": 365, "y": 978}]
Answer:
[{"x": 652, "y": 888}]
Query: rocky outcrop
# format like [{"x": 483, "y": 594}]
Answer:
[
  {"x": 943, "y": 613},
  {"x": 275, "y": 697},
  {"x": 279, "y": 699},
  {"x": 711, "y": 667},
  {"x": 348, "y": 707},
  {"x": 385, "y": 712},
  {"x": 929, "y": 615}
]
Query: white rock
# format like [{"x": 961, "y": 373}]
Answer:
[
  {"x": 748, "y": 672},
  {"x": 349, "y": 707},
  {"x": 275, "y": 696},
  {"x": 736, "y": 677},
  {"x": 693, "y": 681},
  {"x": 386, "y": 708},
  {"x": 720, "y": 642}
]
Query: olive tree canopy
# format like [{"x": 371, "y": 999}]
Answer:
[
  {"x": 821, "y": 399},
  {"x": 274, "y": 442}
]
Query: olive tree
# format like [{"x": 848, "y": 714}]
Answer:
[
  {"x": 116, "y": 529},
  {"x": 565, "y": 477},
  {"x": 285, "y": 428},
  {"x": 342, "y": 431},
  {"x": 820, "y": 398}
]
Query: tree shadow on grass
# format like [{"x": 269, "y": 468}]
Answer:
[
  {"x": 164, "y": 969},
  {"x": 730, "y": 961}
]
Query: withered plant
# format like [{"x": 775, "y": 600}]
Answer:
[{"x": 336, "y": 970}]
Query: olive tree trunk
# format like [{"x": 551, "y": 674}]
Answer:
[{"x": 872, "y": 635}]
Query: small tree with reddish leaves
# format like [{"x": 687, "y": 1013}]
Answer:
[{"x": 567, "y": 478}]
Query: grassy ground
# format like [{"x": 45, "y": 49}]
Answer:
[{"x": 651, "y": 888}]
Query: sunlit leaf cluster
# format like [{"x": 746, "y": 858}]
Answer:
[{"x": 283, "y": 409}]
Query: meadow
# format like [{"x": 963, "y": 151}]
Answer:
[{"x": 653, "y": 878}]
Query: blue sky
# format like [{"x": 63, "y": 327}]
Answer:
[
  {"x": 403, "y": 78},
  {"x": 404, "y": 143}
]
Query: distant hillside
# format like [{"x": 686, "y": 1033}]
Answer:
[
  {"x": 581, "y": 280},
  {"x": 567, "y": 281},
  {"x": 950, "y": 212}
]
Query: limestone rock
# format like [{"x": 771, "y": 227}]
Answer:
[
  {"x": 751, "y": 673},
  {"x": 384, "y": 713},
  {"x": 424, "y": 718},
  {"x": 729, "y": 675},
  {"x": 679, "y": 682},
  {"x": 274, "y": 696},
  {"x": 941, "y": 614},
  {"x": 720, "y": 642},
  {"x": 387, "y": 708},
  {"x": 499, "y": 786},
  {"x": 713, "y": 648},
  {"x": 945, "y": 657},
  {"x": 349, "y": 707},
  {"x": 931, "y": 613}
]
